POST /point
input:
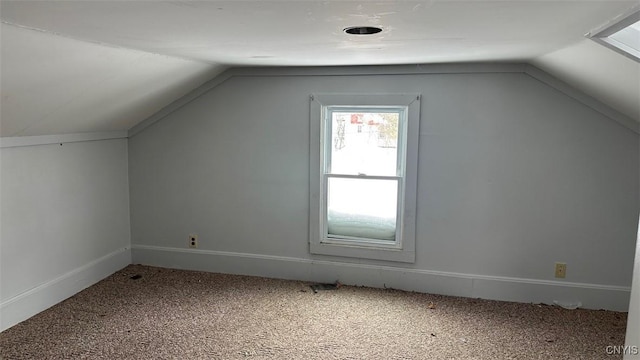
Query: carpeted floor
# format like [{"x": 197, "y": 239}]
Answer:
[{"x": 175, "y": 314}]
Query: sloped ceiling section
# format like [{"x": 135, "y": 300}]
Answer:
[
  {"x": 295, "y": 33},
  {"x": 56, "y": 85},
  {"x": 89, "y": 66},
  {"x": 599, "y": 72}
]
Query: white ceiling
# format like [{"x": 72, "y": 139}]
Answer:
[
  {"x": 55, "y": 85},
  {"x": 82, "y": 66}
]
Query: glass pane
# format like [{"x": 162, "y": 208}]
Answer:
[
  {"x": 629, "y": 36},
  {"x": 364, "y": 143},
  {"x": 364, "y": 208}
]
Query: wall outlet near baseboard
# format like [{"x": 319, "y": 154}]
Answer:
[
  {"x": 193, "y": 241},
  {"x": 561, "y": 270}
]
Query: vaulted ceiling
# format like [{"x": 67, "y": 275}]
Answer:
[{"x": 93, "y": 66}]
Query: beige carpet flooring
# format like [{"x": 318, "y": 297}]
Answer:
[{"x": 175, "y": 314}]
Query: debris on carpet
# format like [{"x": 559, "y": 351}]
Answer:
[{"x": 317, "y": 287}]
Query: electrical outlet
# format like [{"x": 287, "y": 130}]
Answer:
[
  {"x": 561, "y": 270},
  {"x": 193, "y": 241}
]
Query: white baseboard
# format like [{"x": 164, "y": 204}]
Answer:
[
  {"x": 592, "y": 296},
  {"x": 31, "y": 302}
]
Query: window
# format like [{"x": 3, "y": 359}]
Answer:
[
  {"x": 364, "y": 175},
  {"x": 623, "y": 36}
]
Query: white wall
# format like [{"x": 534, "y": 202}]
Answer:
[
  {"x": 64, "y": 222},
  {"x": 633, "y": 320},
  {"x": 633, "y": 323},
  {"x": 513, "y": 176}
]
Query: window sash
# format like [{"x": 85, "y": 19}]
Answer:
[
  {"x": 327, "y": 134},
  {"x": 401, "y": 149},
  {"x": 363, "y": 241}
]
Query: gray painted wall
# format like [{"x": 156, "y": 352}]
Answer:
[
  {"x": 65, "y": 222},
  {"x": 513, "y": 176}
]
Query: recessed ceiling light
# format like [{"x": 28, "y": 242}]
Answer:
[{"x": 362, "y": 30}]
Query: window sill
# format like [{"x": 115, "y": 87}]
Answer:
[{"x": 363, "y": 252}]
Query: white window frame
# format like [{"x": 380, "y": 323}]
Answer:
[
  {"x": 602, "y": 35},
  {"x": 403, "y": 249}
]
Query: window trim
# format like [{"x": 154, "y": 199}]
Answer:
[{"x": 403, "y": 250}]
